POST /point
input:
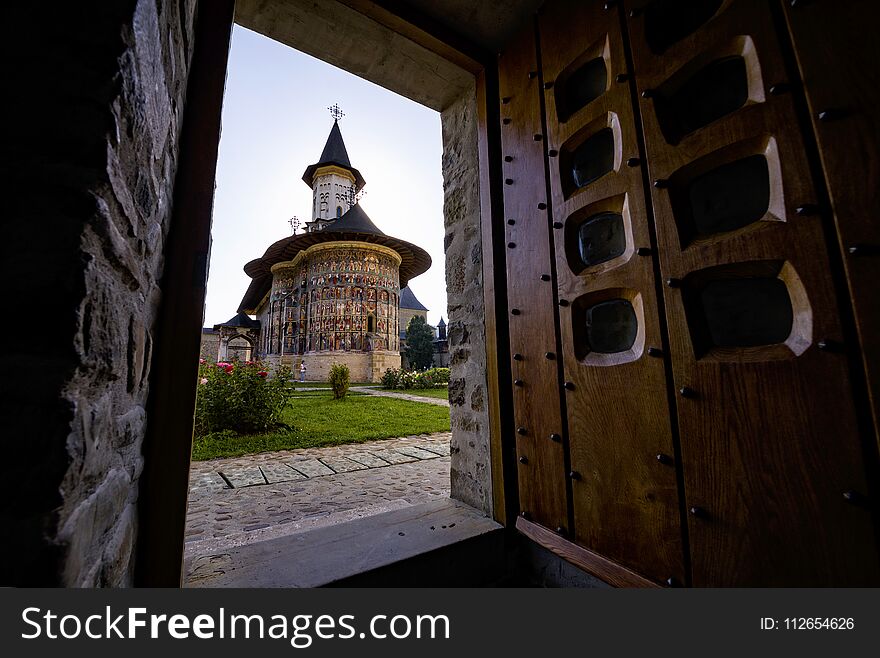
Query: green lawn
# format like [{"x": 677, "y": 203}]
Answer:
[
  {"x": 300, "y": 385},
  {"x": 441, "y": 393},
  {"x": 312, "y": 393},
  {"x": 318, "y": 420}
]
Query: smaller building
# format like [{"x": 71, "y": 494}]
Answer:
[
  {"x": 233, "y": 340},
  {"x": 411, "y": 307},
  {"x": 441, "y": 346},
  {"x": 210, "y": 345}
]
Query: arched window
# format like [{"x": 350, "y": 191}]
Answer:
[{"x": 338, "y": 212}]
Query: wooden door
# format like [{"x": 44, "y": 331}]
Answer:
[
  {"x": 624, "y": 492},
  {"x": 537, "y": 409},
  {"x": 685, "y": 407},
  {"x": 774, "y": 474},
  {"x": 845, "y": 116}
]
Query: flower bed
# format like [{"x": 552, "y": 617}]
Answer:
[
  {"x": 240, "y": 397},
  {"x": 399, "y": 378}
]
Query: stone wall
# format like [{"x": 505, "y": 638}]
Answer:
[
  {"x": 92, "y": 148},
  {"x": 471, "y": 479},
  {"x": 407, "y": 314},
  {"x": 209, "y": 348},
  {"x": 363, "y": 366}
]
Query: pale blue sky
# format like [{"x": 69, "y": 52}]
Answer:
[{"x": 275, "y": 123}]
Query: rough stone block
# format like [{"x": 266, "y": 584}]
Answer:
[
  {"x": 243, "y": 476},
  {"x": 279, "y": 472},
  {"x": 342, "y": 464},
  {"x": 418, "y": 453},
  {"x": 311, "y": 468},
  {"x": 368, "y": 459}
]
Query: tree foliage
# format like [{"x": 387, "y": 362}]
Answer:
[{"x": 419, "y": 343}]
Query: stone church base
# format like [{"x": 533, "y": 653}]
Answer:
[{"x": 363, "y": 366}]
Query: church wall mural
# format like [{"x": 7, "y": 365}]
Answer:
[{"x": 337, "y": 298}]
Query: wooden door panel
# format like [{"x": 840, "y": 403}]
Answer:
[
  {"x": 625, "y": 493},
  {"x": 842, "y": 88},
  {"x": 770, "y": 444},
  {"x": 538, "y": 416}
]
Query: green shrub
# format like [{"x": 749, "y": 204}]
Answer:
[
  {"x": 240, "y": 397},
  {"x": 339, "y": 380},
  {"x": 438, "y": 375},
  {"x": 390, "y": 378},
  {"x": 405, "y": 379}
]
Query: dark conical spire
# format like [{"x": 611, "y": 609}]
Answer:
[
  {"x": 334, "y": 153},
  {"x": 334, "y": 150}
]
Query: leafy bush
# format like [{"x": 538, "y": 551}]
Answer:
[
  {"x": 339, "y": 380},
  {"x": 404, "y": 379},
  {"x": 240, "y": 397},
  {"x": 390, "y": 378},
  {"x": 438, "y": 375}
]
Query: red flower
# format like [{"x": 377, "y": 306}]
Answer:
[
  {"x": 263, "y": 374},
  {"x": 202, "y": 362}
]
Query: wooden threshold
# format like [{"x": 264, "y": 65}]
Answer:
[{"x": 593, "y": 563}]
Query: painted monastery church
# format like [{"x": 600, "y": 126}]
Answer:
[{"x": 336, "y": 293}]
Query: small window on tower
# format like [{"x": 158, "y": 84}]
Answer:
[{"x": 338, "y": 212}]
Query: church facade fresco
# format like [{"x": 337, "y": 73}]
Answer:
[
  {"x": 338, "y": 296},
  {"x": 332, "y": 294}
]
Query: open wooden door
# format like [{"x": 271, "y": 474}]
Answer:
[{"x": 682, "y": 392}]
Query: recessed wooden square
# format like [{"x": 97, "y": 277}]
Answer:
[
  {"x": 581, "y": 87},
  {"x": 593, "y": 158},
  {"x": 714, "y": 91},
  {"x": 753, "y": 310},
  {"x": 746, "y": 312},
  {"x": 611, "y": 326},
  {"x": 601, "y": 238},
  {"x": 669, "y": 21},
  {"x": 729, "y": 197}
]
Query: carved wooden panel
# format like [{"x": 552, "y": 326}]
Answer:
[
  {"x": 533, "y": 339},
  {"x": 625, "y": 494},
  {"x": 841, "y": 71},
  {"x": 773, "y": 469}
]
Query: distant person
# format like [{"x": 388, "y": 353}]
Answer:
[{"x": 302, "y": 371}]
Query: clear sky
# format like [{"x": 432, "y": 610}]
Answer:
[{"x": 275, "y": 124}]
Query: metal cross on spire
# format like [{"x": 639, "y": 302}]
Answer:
[{"x": 335, "y": 112}]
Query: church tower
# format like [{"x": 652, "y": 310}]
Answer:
[
  {"x": 332, "y": 294},
  {"x": 334, "y": 182}
]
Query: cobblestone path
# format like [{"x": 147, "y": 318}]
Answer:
[{"x": 244, "y": 499}]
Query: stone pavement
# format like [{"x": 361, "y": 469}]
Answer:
[{"x": 240, "y": 500}]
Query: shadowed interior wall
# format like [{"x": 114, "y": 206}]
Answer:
[{"x": 93, "y": 157}]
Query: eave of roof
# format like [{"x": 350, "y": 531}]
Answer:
[{"x": 413, "y": 259}]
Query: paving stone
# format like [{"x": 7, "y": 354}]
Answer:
[
  {"x": 311, "y": 467},
  {"x": 368, "y": 459},
  {"x": 441, "y": 449},
  {"x": 342, "y": 464},
  {"x": 244, "y": 476},
  {"x": 418, "y": 453},
  {"x": 394, "y": 457},
  {"x": 280, "y": 472}
]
